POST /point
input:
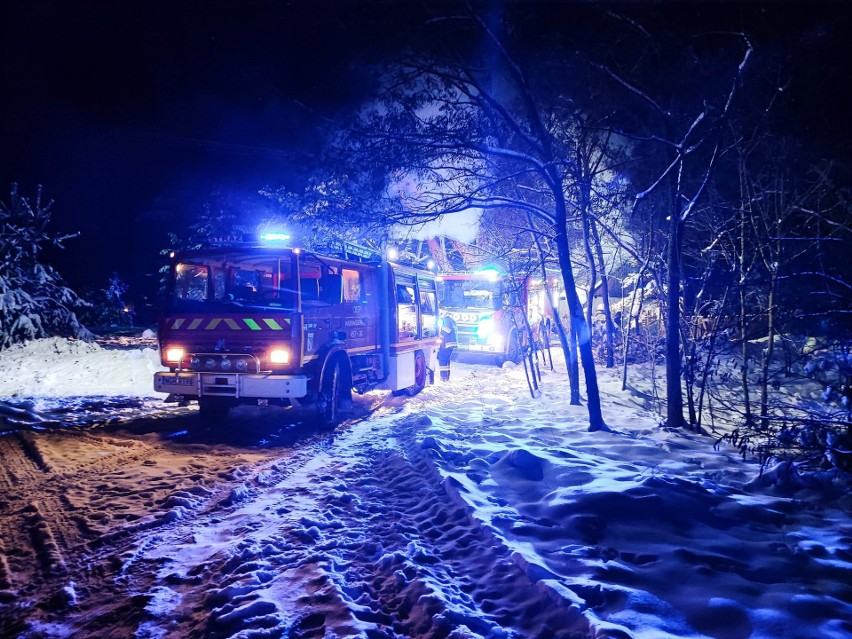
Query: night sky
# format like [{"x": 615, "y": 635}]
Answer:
[{"x": 133, "y": 114}]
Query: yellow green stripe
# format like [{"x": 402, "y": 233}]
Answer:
[{"x": 235, "y": 325}]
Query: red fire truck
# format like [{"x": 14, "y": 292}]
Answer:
[
  {"x": 276, "y": 325},
  {"x": 488, "y": 311}
]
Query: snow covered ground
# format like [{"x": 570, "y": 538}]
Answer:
[{"x": 468, "y": 511}]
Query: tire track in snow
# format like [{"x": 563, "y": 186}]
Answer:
[
  {"x": 67, "y": 550},
  {"x": 361, "y": 540},
  {"x": 436, "y": 571},
  {"x": 20, "y": 555}
]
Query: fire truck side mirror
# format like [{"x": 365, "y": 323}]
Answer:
[{"x": 331, "y": 288}]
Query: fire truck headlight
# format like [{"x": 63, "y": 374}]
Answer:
[
  {"x": 210, "y": 363},
  {"x": 242, "y": 365},
  {"x": 279, "y": 356},
  {"x": 226, "y": 364},
  {"x": 174, "y": 354},
  {"x": 195, "y": 363},
  {"x": 495, "y": 340},
  {"x": 485, "y": 327}
]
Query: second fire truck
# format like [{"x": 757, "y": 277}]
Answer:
[{"x": 488, "y": 313}]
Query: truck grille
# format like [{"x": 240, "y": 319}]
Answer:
[
  {"x": 223, "y": 385},
  {"x": 221, "y": 362}
]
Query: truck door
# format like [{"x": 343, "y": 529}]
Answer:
[
  {"x": 360, "y": 319},
  {"x": 408, "y": 327},
  {"x": 428, "y": 307},
  {"x": 319, "y": 327},
  {"x": 336, "y": 301}
]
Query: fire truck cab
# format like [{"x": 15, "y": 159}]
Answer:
[
  {"x": 277, "y": 325},
  {"x": 488, "y": 312}
]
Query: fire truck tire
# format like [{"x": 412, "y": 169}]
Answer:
[
  {"x": 331, "y": 395},
  {"x": 213, "y": 410},
  {"x": 419, "y": 374}
]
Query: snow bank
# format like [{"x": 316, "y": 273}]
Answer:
[
  {"x": 652, "y": 533},
  {"x": 58, "y": 367}
]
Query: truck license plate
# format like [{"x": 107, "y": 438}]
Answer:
[{"x": 177, "y": 381}]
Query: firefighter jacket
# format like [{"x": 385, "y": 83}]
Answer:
[{"x": 449, "y": 338}]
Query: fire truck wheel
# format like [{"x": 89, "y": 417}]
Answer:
[
  {"x": 513, "y": 351},
  {"x": 330, "y": 396},
  {"x": 419, "y": 374}
]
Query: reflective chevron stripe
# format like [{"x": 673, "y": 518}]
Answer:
[{"x": 250, "y": 323}]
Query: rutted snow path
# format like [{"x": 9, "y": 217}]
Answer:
[
  {"x": 457, "y": 513},
  {"x": 360, "y": 539}
]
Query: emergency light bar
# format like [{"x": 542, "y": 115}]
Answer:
[
  {"x": 274, "y": 236},
  {"x": 490, "y": 273}
]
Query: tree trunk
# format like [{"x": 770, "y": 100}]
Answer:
[
  {"x": 744, "y": 355},
  {"x": 575, "y": 309},
  {"x": 548, "y": 292},
  {"x": 774, "y": 262},
  {"x": 573, "y": 362},
  {"x": 743, "y": 322},
  {"x": 585, "y": 196},
  {"x": 568, "y": 349},
  {"x": 609, "y": 327},
  {"x": 690, "y": 374},
  {"x": 674, "y": 393},
  {"x": 767, "y": 355},
  {"x": 711, "y": 347},
  {"x": 633, "y": 317}
]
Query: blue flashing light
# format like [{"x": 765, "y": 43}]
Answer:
[
  {"x": 275, "y": 236},
  {"x": 490, "y": 273}
]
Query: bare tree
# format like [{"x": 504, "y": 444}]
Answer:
[
  {"x": 771, "y": 250},
  {"x": 467, "y": 136},
  {"x": 685, "y": 131}
]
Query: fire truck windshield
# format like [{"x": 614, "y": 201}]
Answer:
[
  {"x": 232, "y": 277},
  {"x": 472, "y": 293}
]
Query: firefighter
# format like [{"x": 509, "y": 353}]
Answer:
[{"x": 448, "y": 344}]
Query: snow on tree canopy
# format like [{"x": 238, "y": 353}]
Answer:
[{"x": 34, "y": 302}]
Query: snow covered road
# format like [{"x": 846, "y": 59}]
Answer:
[
  {"x": 352, "y": 534},
  {"x": 467, "y": 511}
]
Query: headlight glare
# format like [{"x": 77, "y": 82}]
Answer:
[
  {"x": 279, "y": 356},
  {"x": 495, "y": 340},
  {"x": 485, "y": 327},
  {"x": 174, "y": 354}
]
